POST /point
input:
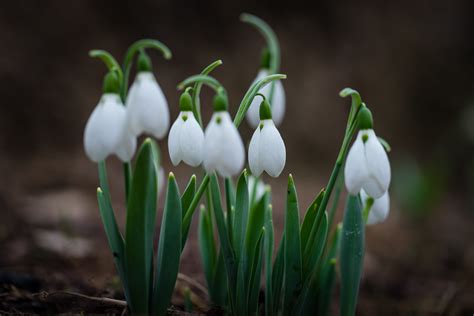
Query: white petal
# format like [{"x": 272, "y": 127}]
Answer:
[
  {"x": 277, "y": 103},
  {"x": 147, "y": 107},
  {"x": 254, "y": 154},
  {"x": 378, "y": 166},
  {"x": 223, "y": 148},
  {"x": 103, "y": 132},
  {"x": 355, "y": 172},
  {"x": 379, "y": 211},
  {"x": 191, "y": 140},
  {"x": 272, "y": 149},
  {"x": 174, "y": 147}
]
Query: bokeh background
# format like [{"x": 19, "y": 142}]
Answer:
[{"x": 412, "y": 61}]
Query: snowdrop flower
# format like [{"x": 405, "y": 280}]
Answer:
[
  {"x": 186, "y": 138},
  {"x": 147, "y": 108},
  {"x": 367, "y": 165},
  {"x": 223, "y": 148},
  {"x": 266, "y": 150},
  {"x": 380, "y": 207},
  {"x": 278, "y": 101},
  {"x": 106, "y": 130}
]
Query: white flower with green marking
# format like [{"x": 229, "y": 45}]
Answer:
[
  {"x": 367, "y": 166},
  {"x": 278, "y": 101},
  {"x": 106, "y": 131},
  {"x": 147, "y": 108},
  {"x": 380, "y": 207},
  {"x": 186, "y": 140},
  {"x": 223, "y": 147}
]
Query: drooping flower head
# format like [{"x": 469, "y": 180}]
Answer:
[
  {"x": 186, "y": 138},
  {"x": 106, "y": 130},
  {"x": 367, "y": 164},
  {"x": 267, "y": 150},
  {"x": 223, "y": 147},
  {"x": 147, "y": 108}
]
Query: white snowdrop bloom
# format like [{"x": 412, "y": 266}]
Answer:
[
  {"x": 267, "y": 150},
  {"x": 186, "y": 140},
  {"x": 106, "y": 131},
  {"x": 147, "y": 108},
  {"x": 379, "y": 210},
  {"x": 255, "y": 184},
  {"x": 223, "y": 147},
  {"x": 367, "y": 166},
  {"x": 278, "y": 102}
]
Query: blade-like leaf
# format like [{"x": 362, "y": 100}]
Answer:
[
  {"x": 268, "y": 248},
  {"x": 230, "y": 203},
  {"x": 327, "y": 275},
  {"x": 169, "y": 250},
  {"x": 310, "y": 260},
  {"x": 219, "y": 283},
  {"x": 293, "y": 264},
  {"x": 229, "y": 257},
  {"x": 141, "y": 211},
  {"x": 310, "y": 219},
  {"x": 241, "y": 214},
  {"x": 186, "y": 200},
  {"x": 277, "y": 276},
  {"x": 255, "y": 275},
  {"x": 114, "y": 237},
  {"x": 352, "y": 255}
]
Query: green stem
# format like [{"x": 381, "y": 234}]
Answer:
[
  {"x": 203, "y": 79},
  {"x": 270, "y": 37},
  {"x": 197, "y": 91}
]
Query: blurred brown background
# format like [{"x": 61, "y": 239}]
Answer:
[{"x": 413, "y": 63}]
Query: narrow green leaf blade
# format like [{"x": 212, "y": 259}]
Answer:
[
  {"x": 241, "y": 214},
  {"x": 277, "y": 275},
  {"x": 229, "y": 258},
  {"x": 327, "y": 275},
  {"x": 268, "y": 248},
  {"x": 169, "y": 250},
  {"x": 139, "y": 229},
  {"x": 186, "y": 199},
  {"x": 114, "y": 238},
  {"x": 352, "y": 255},
  {"x": 256, "y": 275},
  {"x": 310, "y": 219},
  {"x": 293, "y": 264}
]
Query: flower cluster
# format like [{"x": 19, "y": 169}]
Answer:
[{"x": 113, "y": 129}]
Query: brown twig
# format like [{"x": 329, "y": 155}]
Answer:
[{"x": 103, "y": 300}]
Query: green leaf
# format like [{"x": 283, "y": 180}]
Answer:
[
  {"x": 241, "y": 214},
  {"x": 327, "y": 275},
  {"x": 305, "y": 303},
  {"x": 230, "y": 203},
  {"x": 114, "y": 237},
  {"x": 141, "y": 213},
  {"x": 277, "y": 275},
  {"x": 255, "y": 275},
  {"x": 310, "y": 219},
  {"x": 268, "y": 248},
  {"x": 229, "y": 257},
  {"x": 169, "y": 250},
  {"x": 219, "y": 283},
  {"x": 293, "y": 264},
  {"x": 352, "y": 255},
  {"x": 206, "y": 246},
  {"x": 186, "y": 200}
]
